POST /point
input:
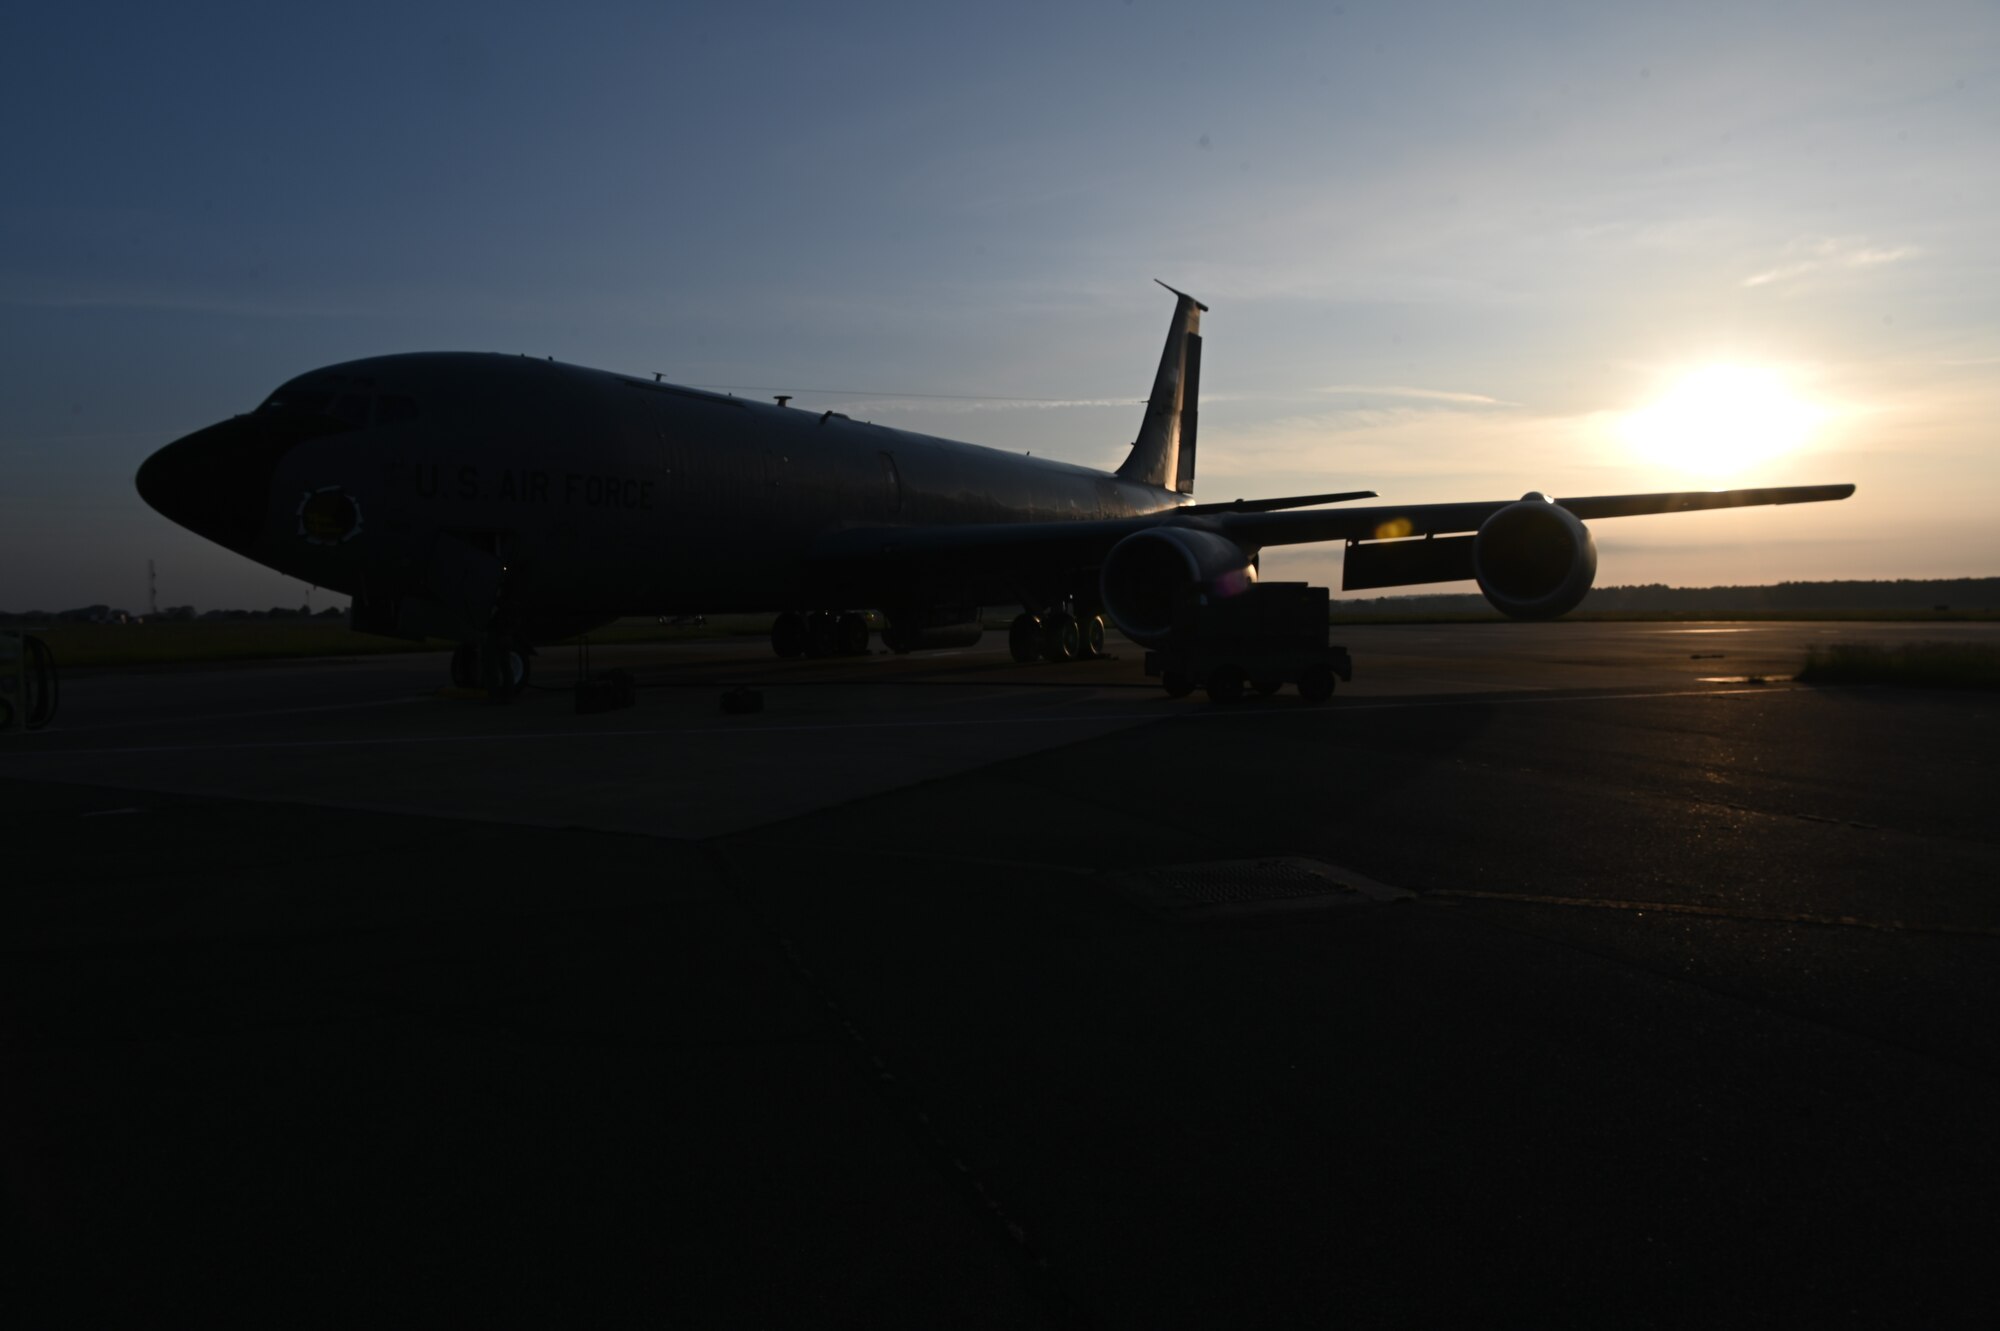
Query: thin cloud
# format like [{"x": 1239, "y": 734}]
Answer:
[
  {"x": 951, "y": 406},
  {"x": 1420, "y": 394},
  {"x": 1829, "y": 255}
]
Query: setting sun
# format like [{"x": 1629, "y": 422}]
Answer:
[{"x": 1721, "y": 419}]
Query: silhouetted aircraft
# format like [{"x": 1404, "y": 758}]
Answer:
[{"x": 501, "y": 501}]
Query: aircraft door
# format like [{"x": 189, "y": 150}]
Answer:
[{"x": 893, "y": 481}]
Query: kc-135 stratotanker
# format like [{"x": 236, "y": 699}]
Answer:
[{"x": 502, "y": 501}]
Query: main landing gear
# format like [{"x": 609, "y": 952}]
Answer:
[
  {"x": 820, "y": 633},
  {"x": 1056, "y": 635},
  {"x": 502, "y": 669}
]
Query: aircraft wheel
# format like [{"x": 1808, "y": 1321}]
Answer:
[
  {"x": 501, "y": 668},
  {"x": 1024, "y": 639},
  {"x": 465, "y": 666},
  {"x": 788, "y": 634},
  {"x": 1176, "y": 684},
  {"x": 1316, "y": 685},
  {"x": 1059, "y": 637},
  {"x": 1225, "y": 685},
  {"x": 822, "y": 634},
  {"x": 853, "y": 634},
  {"x": 1266, "y": 685},
  {"x": 1090, "y": 635}
]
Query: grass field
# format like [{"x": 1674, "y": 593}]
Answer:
[
  {"x": 88, "y": 645},
  {"x": 1959, "y": 665}
]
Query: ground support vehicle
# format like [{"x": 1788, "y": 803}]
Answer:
[{"x": 1262, "y": 638}]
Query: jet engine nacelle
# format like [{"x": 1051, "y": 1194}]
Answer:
[
  {"x": 1534, "y": 559},
  {"x": 1145, "y": 573}
]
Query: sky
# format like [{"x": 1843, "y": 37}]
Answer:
[{"x": 1452, "y": 251}]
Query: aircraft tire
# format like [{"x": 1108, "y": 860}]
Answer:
[
  {"x": 1024, "y": 639},
  {"x": 1090, "y": 637},
  {"x": 465, "y": 666},
  {"x": 1266, "y": 685},
  {"x": 788, "y": 634},
  {"x": 853, "y": 634},
  {"x": 1059, "y": 637},
  {"x": 1225, "y": 685},
  {"x": 1176, "y": 684},
  {"x": 822, "y": 634},
  {"x": 1316, "y": 685}
]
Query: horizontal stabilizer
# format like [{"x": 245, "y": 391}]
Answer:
[{"x": 1273, "y": 505}]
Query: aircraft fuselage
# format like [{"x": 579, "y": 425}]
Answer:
[{"x": 395, "y": 479}]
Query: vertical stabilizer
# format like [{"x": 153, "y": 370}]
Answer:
[{"x": 1163, "y": 454}]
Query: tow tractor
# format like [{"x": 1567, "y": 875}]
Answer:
[{"x": 1267, "y": 636}]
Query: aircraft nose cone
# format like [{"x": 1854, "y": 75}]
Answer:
[{"x": 217, "y": 482}]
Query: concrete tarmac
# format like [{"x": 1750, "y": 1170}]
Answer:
[{"x": 1550, "y": 973}]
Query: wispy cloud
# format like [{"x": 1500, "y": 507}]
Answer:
[
  {"x": 1420, "y": 394},
  {"x": 949, "y": 406},
  {"x": 1828, "y": 254}
]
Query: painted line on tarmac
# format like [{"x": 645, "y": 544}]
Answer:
[
  {"x": 1717, "y": 912},
  {"x": 244, "y": 716},
  {"x": 1103, "y": 718}
]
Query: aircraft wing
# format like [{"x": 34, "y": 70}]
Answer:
[
  {"x": 1384, "y": 522},
  {"x": 1083, "y": 544}
]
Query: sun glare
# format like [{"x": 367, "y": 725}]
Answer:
[{"x": 1722, "y": 419}]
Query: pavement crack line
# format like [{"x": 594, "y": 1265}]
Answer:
[
  {"x": 1719, "y": 912},
  {"x": 1038, "y": 1272}
]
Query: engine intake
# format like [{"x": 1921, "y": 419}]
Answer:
[
  {"x": 1534, "y": 559},
  {"x": 1146, "y": 571}
]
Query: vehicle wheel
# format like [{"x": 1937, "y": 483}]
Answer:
[
  {"x": 1176, "y": 684},
  {"x": 788, "y": 634},
  {"x": 1267, "y": 685},
  {"x": 1059, "y": 637},
  {"x": 1024, "y": 639},
  {"x": 1316, "y": 685},
  {"x": 1225, "y": 685},
  {"x": 1090, "y": 636},
  {"x": 465, "y": 666},
  {"x": 853, "y": 634}
]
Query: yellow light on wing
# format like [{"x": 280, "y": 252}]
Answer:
[
  {"x": 1720, "y": 419},
  {"x": 1393, "y": 529}
]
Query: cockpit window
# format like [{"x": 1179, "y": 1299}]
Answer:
[
  {"x": 297, "y": 400},
  {"x": 353, "y": 410}
]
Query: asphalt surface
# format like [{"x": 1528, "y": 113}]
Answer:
[{"x": 1551, "y": 974}]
